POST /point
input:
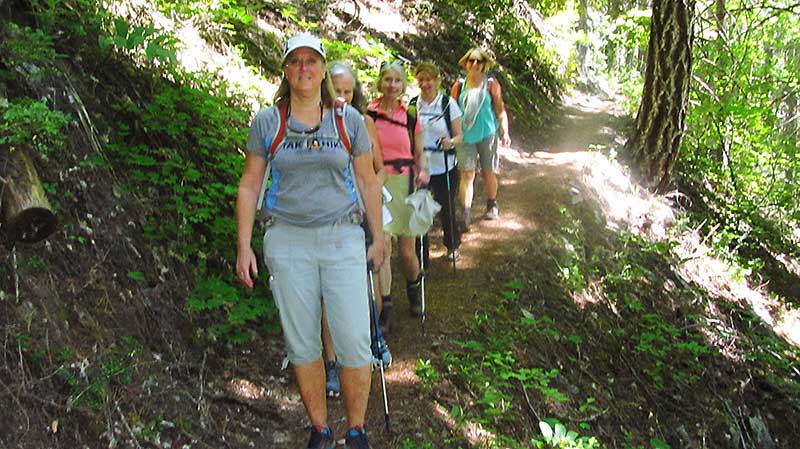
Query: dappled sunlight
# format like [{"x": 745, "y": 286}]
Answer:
[
  {"x": 515, "y": 155},
  {"x": 592, "y": 104},
  {"x": 401, "y": 373},
  {"x": 384, "y": 13},
  {"x": 195, "y": 55},
  {"x": 471, "y": 431},
  {"x": 591, "y": 295},
  {"x": 248, "y": 390},
  {"x": 720, "y": 280},
  {"x": 627, "y": 207}
]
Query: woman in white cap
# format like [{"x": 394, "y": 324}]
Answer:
[{"x": 314, "y": 244}]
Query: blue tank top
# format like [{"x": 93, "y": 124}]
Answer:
[{"x": 485, "y": 123}]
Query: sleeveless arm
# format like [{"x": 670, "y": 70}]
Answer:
[{"x": 500, "y": 112}]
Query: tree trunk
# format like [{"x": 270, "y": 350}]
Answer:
[
  {"x": 654, "y": 147},
  {"x": 719, "y": 13},
  {"x": 25, "y": 213}
]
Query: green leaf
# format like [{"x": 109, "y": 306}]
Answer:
[{"x": 136, "y": 275}]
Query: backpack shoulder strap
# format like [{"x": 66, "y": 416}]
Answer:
[
  {"x": 280, "y": 133},
  {"x": 489, "y": 81},
  {"x": 411, "y": 124},
  {"x": 339, "y": 111},
  {"x": 446, "y": 113},
  {"x": 455, "y": 92}
]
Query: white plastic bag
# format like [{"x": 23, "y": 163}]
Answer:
[{"x": 423, "y": 210}]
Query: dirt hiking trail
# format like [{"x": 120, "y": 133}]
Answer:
[{"x": 532, "y": 184}]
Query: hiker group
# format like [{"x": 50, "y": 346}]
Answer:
[{"x": 330, "y": 174}]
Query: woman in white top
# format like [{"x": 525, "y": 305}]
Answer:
[{"x": 440, "y": 117}]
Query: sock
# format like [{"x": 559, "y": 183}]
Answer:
[{"x": 491, "y": 203}]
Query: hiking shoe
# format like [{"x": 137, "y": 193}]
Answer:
[
  {"x": 321, "y": 438},
  {"x": 385, "y": 355},
  {"x": 332, "y": 386},
  {"x": 492, "y": 212},
  {"x": 414, "y": 293},
  {"x": 356, "y": 439},
  {"x": 385, "y": 320}
]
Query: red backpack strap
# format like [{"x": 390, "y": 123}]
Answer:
[
  {"x": 339, "y": 109},
  {"x": 280, "y": 133},
  {"x": 455, "y": 91}
]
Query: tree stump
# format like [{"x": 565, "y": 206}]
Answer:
[{"x": 25, "y": 212}]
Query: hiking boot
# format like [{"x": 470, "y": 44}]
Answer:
[
  {"x": 321, "y": 438},
  {"x": 414, "y": 293},
  {"x": 332, "y": 386},
  {"x": 385, "y": 320},
  {"x": 382, "y": 353},
  {"x": 492, "y": 212},
  {"x": 356, "y": 439}
]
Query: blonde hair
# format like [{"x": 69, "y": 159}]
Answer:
[
  {"x": 428, "y": 67},
  {"x": 488, "y": 61},
  {"x": 397, "y": 66}
]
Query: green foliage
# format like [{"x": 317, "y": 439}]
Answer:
[
  {"x": 741, "y": 148},
  {"x": 428, "y": 376},
  {"x": 525, "y": 66},
  {"x": 28, "y": 50},
  {"x": 214, "y": 296},
  {"x": 30, "y": 123},
  {"x": 92, "y": 382},
  {"x": 365, "y": 59},
  {"x": 129, "y": 39},
  {"x": 228, "y": 13}
]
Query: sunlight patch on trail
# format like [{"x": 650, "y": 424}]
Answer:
[
  {"x": 472, "y": 431},
  {"x": 630, "y": 208}
]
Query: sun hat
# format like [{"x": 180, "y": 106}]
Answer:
[{"x": 303, "y": 40}]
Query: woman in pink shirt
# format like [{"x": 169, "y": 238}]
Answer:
[{"x": 406, "y": 168}]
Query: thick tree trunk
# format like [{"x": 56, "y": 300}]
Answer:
[
  {"x": 25, "y": 213},
  {"x": 655, "y": 145}
]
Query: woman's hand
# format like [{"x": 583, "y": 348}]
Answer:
[
  {"x": 505, "y": 141},
  {"x": 246, "y": 266},
  {"x": 375, "y": 254},
  {"x": 423, "y": 178}
]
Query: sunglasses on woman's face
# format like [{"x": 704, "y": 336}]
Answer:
[{"x": 475, "y": 60}]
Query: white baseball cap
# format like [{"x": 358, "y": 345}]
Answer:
[{"x": 303, "y": 40}]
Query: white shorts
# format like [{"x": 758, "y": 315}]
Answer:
[{"x": 311, "y": 265}]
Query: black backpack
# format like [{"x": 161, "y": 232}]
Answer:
[{"x": 445, "y": 106}]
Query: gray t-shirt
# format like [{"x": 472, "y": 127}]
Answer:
[{"x": 312, "y": 184}]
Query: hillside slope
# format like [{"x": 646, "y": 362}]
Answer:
[{"x": 586, "y": 303}]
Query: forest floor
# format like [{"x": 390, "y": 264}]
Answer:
[
  {"x": 556, "y": 196},
  {"x": 594, "y": 270},
  {"x": 533, "y": 183}
]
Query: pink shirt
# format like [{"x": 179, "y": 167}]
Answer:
[{"x": 393, "y": 137}]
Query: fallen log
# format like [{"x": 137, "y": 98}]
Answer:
[{"x": 25, "y": 213}]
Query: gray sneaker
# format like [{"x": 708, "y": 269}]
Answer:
[
  {"x": 492, "y": 213},
  {"x": 332, "y": 385}
]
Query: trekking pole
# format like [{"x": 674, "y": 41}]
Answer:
[
  {"x": 379, "y": 347},
  {"x": 422, "y": 279},
  {"x": 451, "y": 212}
]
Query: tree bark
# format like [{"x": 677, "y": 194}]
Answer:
[
  {"x": 25, "y": 212},
  {"x": 660, "y": 122}
]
